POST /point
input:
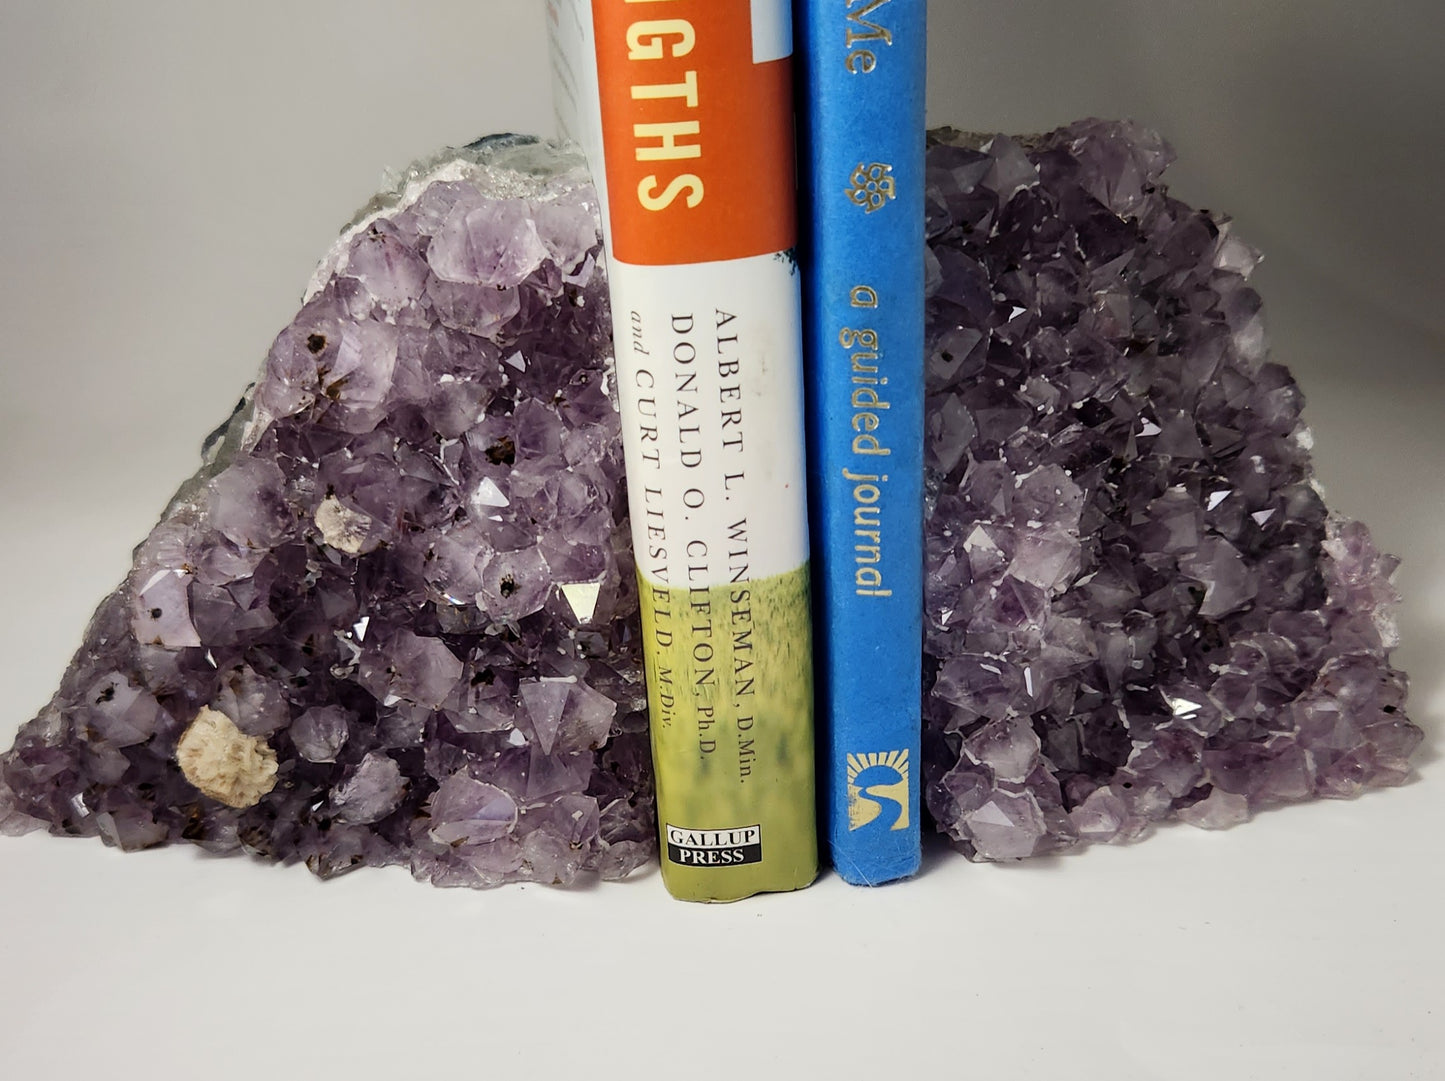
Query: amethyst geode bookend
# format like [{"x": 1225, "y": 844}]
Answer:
[
  {"x": 393, "y": 619},
  {"x": 1138, "y": 606}
]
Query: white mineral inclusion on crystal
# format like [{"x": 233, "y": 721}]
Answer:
[
  {"x": 582, "y": 598},
  {"x": 489, "y": 495},
  {"x": 225, "y": 763},
  {"x": 341, "y": 527}
]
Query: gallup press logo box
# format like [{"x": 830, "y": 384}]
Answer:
[{"x": 715, "y": 848}]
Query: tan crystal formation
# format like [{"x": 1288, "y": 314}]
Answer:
[
  {"x": 225, "y": 763},
  {"x": 341, "y": 527}
]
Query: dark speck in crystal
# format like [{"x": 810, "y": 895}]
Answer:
[
  {"x": 502, "y": 452},
  {"x": 316, "y": 342}
]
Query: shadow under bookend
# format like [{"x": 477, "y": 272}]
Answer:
[{"x": 393, "y": 618}]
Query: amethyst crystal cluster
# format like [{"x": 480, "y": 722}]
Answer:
[
  {"x": 393, "y": 617},
  {"x": 1138, "y": 606}
]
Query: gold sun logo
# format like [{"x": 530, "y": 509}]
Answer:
[{"x": 876, "y": 778}]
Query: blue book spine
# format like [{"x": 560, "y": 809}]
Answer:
[{"x": 861, "y": 125}]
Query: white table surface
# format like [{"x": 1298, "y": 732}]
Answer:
[{"x": 171, "y": 172}]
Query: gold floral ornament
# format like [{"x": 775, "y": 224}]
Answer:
[{"x": 871, "y": 186}]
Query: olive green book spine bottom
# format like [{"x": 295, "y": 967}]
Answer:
[{"x": 730, "y": 693}]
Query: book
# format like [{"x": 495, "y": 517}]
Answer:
[
  {"x": 684, "y": 108},
  {"x": 861, "y": 104}
]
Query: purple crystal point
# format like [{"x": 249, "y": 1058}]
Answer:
[
  {"x": 320, "y": 732},
  {"x": 469, "y": 812},
  {"x": 1137, "y": 605},
  {"x": 371, "y": 792},
  {"x": 391, "y": 619}
]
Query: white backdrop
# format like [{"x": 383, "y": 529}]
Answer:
[{"x": 171, "y": 171}]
